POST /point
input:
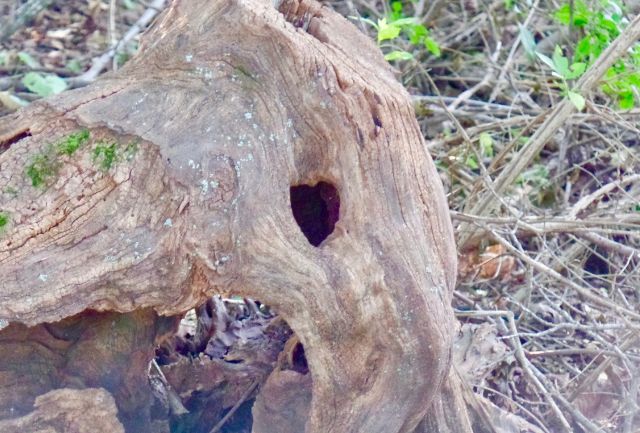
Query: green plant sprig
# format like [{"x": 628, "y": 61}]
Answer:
[
  {"x": 397, "y": 25},
  {"x": 598, "y": 25},
  {"x": 559, "y": 64}
]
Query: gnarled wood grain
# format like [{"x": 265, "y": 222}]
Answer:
[
  {"x": 229, "y": 104},
  {"x": 69, "y": 411}
]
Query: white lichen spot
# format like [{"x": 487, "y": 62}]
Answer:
[
  {"x": 192, "y": 164},
  {"x": 43, "y": 277},
  {"x": 222, "y": 260},
  {"x": 250, "y": 157},
  {"x": 168, "y": 222},
  {"x": 214, "y": 184},
  {"x": 189, "y": 58},
  {"x": 3, "y": 324},
  {"x": 272, "y": 137},
  {"x": 289, "y": 123},
  {"x": 204, "y": 186},
  {"x": 248, "y": 115},
  {"x": 255, "y": 126}
]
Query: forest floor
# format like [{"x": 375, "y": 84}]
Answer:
[{"x": 552, "y": 256}]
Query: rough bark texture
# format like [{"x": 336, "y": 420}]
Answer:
[
  {"x": 182, "y": 191},
  {"x": 69, "y": 411},
  {"x": 107, "y": 350}
]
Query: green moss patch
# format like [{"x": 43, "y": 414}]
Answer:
[
  {"x": 45, "y": 165},
  {"x": 131, "y": 150},
  {"x": 4, "y": 220},
  {"x": 11, "y": 191},
  {"x": 105, "y": 154},
  {"x": 69, "y": 145}
]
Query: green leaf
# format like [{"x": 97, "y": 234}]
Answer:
[
  {"x": 417, "y": 33},
  {"x": 626, "y": 100},
  {"x": 433, "y": 47},
  {"x": 74, "y": 66},
  {"x": 387, "y": 31},
  {"x": 537, "y": 175},
  {"x": 43, "y": 84},
  {"x": 471, "y": 162},
  {"x": 585, "y": 49},
  {"x": 546, "y": 60},
  {"x": 404, "y": 22},
  {"x": 28, "y": 60},
  {"x": 577, "y": 69},
  {"x": 528, "y": 42},
  {"x": 581, "y": 14},
  {"x": 396, "y": 10},
  {"x": 486, "y": 144},
  {"x": 398, "y": 55},
  {"x": 560, "y": 62},
  {"x": 563, "y": 15},
  {"x": 366, "y": 21},
  {"x": 576, "y": 99},
  {"x": 609, "y": 26}
]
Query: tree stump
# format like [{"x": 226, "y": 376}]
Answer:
[{"x": 251, "y": 148}]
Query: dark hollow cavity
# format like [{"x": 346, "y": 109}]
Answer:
[{"x": 316, "y": 209}]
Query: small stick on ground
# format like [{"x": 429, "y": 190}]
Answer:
[
  {"x": 235, "y": 407},
  {"x": 99, "y": 63},
  {"x": 486, "y": 203}
]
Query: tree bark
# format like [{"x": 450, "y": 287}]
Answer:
[
  {"x": 180, "y": 188},
  {"x": 69, "y": 410}
]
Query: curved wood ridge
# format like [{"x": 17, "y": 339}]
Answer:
[{"x": 182, "y": 190}]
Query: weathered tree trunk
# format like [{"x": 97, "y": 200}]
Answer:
[{"x": 182, "y": 176}]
